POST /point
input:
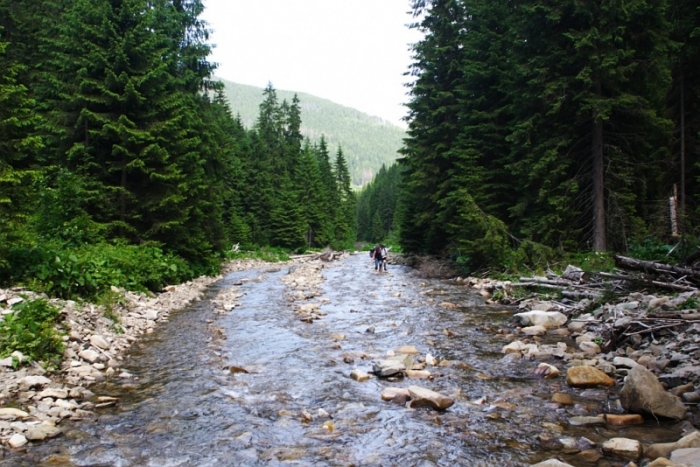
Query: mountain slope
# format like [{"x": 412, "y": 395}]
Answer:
[{"x": 367, "y": 142}]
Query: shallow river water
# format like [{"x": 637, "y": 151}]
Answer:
[{"x": 185, "y": 407}]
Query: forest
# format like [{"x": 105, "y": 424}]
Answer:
[
  {"x": 367, "y": 142},
  {"x": 121, "y": 163},
  {"x": 537, "y": 128}
]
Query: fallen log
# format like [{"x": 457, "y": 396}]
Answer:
[
  {"x": 651, "y": 266},
  {"x": 640, "y": 280}
]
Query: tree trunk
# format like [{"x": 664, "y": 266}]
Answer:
[{"x": 599, "y": 236}]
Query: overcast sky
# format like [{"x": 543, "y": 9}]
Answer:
[{"x": 353, "y": 53}]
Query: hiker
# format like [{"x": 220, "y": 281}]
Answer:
[{"x": 379, "y": 254}]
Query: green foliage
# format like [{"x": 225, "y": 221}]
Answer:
[
  {"x": 90, "y": 270},
  {"x": 593, "y": 261},
  {"x": 691, "y": 304},
  {"x": 31, "y": 331}
]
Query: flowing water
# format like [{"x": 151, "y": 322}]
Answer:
[{"x": 190, "y": 404}]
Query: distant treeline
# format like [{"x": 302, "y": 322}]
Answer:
[{"x": 368, "y": 142}]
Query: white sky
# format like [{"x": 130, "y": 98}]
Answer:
[{"x": 352, "y": 52}]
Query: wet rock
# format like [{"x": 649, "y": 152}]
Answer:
[
  {"x": 386, "y": 368},
  {"x": 545, "y": 370},
  {"x": 622, "y": 419},
  {"x": 642, "y": 392},
  {"x": 407, "y": 350},
  {"x": 422, "y": 374},
  {"x": 691, "y": 440},
  {"x": 359, "y": 375},
  {"x": 690, "y": 457},
  {"x": 389, "y": 394},
  {"x": 563, "y": 399},
  {"x": 588, "y": 457},
  {"x": 587, "y": 376},
  {"x": 623, "y": 447},
  {"x": 422, "y": 397},
  {"x": 586, "y": 421}
]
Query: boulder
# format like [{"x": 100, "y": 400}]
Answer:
[
  {"x": 386, "y": 368},
  {"x": 389, "y": 394},
  {"x": 643, "y": 393},
  {"x": 584, "y": 376},
  {"x": 422, "y": 397}
]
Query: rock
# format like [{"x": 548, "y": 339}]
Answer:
[
  {"x": 662, "y": 462},
  {"x": 389, "y": 394},
  {"x": 534, "y": 330},
  {"x": 691, "y": 440},
  {"x": 359, "y": 375},
  {"x": 386, "y": 368},
  {"x": 624, "y": 362},
  {"x": 690, "y": 457},
  {"x": 623, "y": 447},
  {"x": 545, "y": 370},
  {"x": 99, "y": 342},
  {"x": 42, "y": 432},
  {"x": 590, "y": 348},
  {"x": 89, "y": 355},
  {"x": 9, "y": 413},
  {"x": 7, "y": 362},
  {"x": 430, "y": 360},
  {"x": 622, "y": 419},
  {"x": 29, "y": 382},
  {"x": 643, "y": 393},
  {"x": 519, "y": 347},
  {"x": 552, "y": 463},
  {"x": 586, "y": 421},
  {"x": 150, "y": 314},
  {"x": 548, "y": 319},
  {"x": 407, "y": 350},
  {"x": 586, "y": 377},
  {"x": 563, "y": 399},
  {"x": 54, "y": 393},
  {"x": 423, "y": 374},
  {"x": 17, "y": 441},
  {"x": 588, "y": 457},
  {"x": 422, "y": 397}
]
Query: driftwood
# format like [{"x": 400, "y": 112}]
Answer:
[
  {"x": 643, "y": 281},
  {"x": 654, "y": 267}
]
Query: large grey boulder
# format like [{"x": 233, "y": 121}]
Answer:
[{"x": 643, "y": 393}]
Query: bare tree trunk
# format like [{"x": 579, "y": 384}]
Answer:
[
  {"x": 599, "y": 236},
  {"x": 682, "y": 149}
]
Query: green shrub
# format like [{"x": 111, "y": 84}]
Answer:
[
  {"x": 271, "y": 254},
  {"x": 31, "y": 329},
  {"x": 89, "y": 270}
]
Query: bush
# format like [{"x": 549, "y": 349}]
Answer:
[
  {"x": 31, "y": 330},
  {"x": 89, "y": 270}
]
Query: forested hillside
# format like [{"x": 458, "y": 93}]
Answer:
[
  {"x": 550, "y": 126},
  {"x": 121, "y": 163},
  {"x": 368, "y": 142}
]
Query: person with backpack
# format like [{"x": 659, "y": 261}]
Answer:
[{"x": 379, "y": 254}]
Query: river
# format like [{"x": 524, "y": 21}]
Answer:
[{"x": 257, "y": 386}]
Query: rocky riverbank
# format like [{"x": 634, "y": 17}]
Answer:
[
  {"x": 33, "y": 402},
  {"x": 645, "y": 349}
]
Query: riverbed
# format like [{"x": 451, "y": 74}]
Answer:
[{"x": 259, "y": 386}]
